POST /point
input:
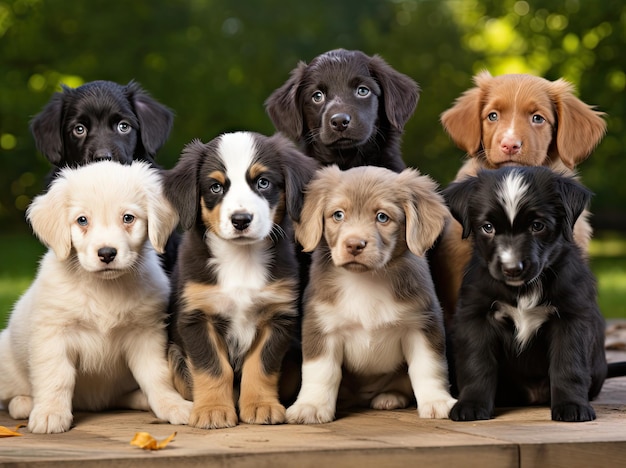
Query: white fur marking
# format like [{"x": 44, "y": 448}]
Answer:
[{"x": 511, "y": 193}]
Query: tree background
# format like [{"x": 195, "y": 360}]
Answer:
[{"x": 214, "y": 62}]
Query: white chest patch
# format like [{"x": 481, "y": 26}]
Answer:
[{"x": 511, "y": 193}]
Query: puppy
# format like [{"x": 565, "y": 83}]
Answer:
[
  {"x": 519, "y": 120},
  {"x": 346, "y": 108},
  {"x": 234, "y": 304},
  {"x": 527, "y": 329},
  {"x": 89, "y": 333},
  {"x": 370, "y": 307}
]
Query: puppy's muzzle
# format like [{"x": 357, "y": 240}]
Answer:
[
  {"x": 107, "y": 254},
  {"x": 241, "y": 221},
  {"x": 340, "y": 122},
  {"x": 355, "y": 246}
]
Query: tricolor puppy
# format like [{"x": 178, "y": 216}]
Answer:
[
  {"x": 89, "y": 333},
  {"x": 527, "y": 329},
  {"x": 234, "y": 307},
  {"x": 370, "y": 310}
]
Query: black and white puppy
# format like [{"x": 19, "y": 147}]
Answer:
[
  {"x": 527, "y": 328},
  {"x": 346, "y": 108},
  {"x": 234, "y": 303}
]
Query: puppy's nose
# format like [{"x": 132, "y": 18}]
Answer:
[
  {"x": 241, "y": 220},
  {"x": 510, "y": 146},
  {"x": 355, "y": 246},
  {"x": 103, "y": 155},
  {"x": 107, "y": 254},
  {"x": 512, "y": 270},
  {"x": 340, "y": 122}
]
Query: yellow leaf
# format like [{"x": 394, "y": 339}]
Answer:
[
  {"x": 147, "y": 442},
  {"x": 4, "y": 432}
]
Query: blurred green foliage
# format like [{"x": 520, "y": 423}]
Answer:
[{"x": 215, "y": 62}]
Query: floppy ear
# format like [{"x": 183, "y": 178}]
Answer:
[
  {"x": 181, "y": 183},
  {"x": 310, "y": 229},
  {"x": 575, "y": 198},
  {"x": 283, "y": 107},
  {"x": 457, "y": 196},
  {"x": 298, "y": 170},
  {"x": 47, "y": 216},
  {"x": 47, "y": 128},
  {"x": 162, "y": 218},
  {"x": 463, "y": 121},
  {"x": 155, "y": 120},
  {"x": 424, "y": 209},
  {"x": 400, "y": 93},
  {"x": 579, "y": 127}
]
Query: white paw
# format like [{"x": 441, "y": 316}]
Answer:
[
  {"x": 304, "y": 413},
  {"x": 438, "y": 409},
  {"x": 173, "y": 410},
  {"x": 45, "y": 421},
  {"x": 389, "y": 401},
  {"x": 20, "y": 407}
]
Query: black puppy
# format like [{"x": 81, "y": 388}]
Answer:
[
  {"x": 527, "y": 328},
  {"x": 346, "y": 108}
]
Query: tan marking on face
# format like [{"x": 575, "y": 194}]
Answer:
[
  {"x": 210, "y": 218},
  {"x": 257, "y": 169},
  {"x": 219, "y": 176}
]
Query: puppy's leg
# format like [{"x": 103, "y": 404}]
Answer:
[
  {"x": 20, "y": 407},
  {"x": 14, "y": 390},
  {"x": 424, "y": 351}
]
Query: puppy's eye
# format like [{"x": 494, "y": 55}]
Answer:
[
  {"x": 318, "y": 97},
  {"x": 82, "y": 221},
  {"x": 493, "y": 116},
  {"x": 339, "y": 215},
  {"x": 362, "y": 91},
  {"x": 382, "y": 217},
  {"x": 128, "y": 218},
  {"x": 80, "y": 130},
  {"x": 538, "y": 119},
  {"x": 488, "y": 228},
  {"x": 216, "y": 188},
  {"x": 262, "y": 183},
  {"x": 124, "y": 127},
  {"x": 537, "y": 226}
]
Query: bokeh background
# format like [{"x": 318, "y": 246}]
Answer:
[{"x": 214, "y": 62}]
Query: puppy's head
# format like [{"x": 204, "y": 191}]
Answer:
[
  {"x": 239, "y": 185},
  {"x": 523, "y": 120},
  {"x": 522, "y": 218},
  {"x": 340, "y": 98},
  {"x": 101, "y": 214},
  {"x": 101, "y": 120},
  {"x": 369, "y": 215}
]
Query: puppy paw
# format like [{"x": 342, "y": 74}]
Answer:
[
  {"x": 262, "y": 413},
  {"x": 470, "y": 411},
  {"x": 304, "y": 413},
  {"x": 177, "y": 411},
  {"x": 438, "y": 409},
  {"x": 573, "y": 412},
  {"x": 390, "y": 401},
  {"x": 20, "y": 407},
  {"x": 43, "y": 421},
  {"x": 216, "y": 417}
]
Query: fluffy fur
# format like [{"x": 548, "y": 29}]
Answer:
[
  {"x": 527, "y": 328},
  {"x": 234, "y": 304},
  {"x": 370, "y": 311},
  {"x": 346, "y": 108},
  {"x": 89, "y": 333},
  {"x": 513, "y": 120}
]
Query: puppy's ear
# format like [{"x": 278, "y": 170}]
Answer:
[
  {"x": 283, "y": 105},
  {"x": 162, "y": 217},
  {"x": 181, "y": 183},
  {"x": 575, "y": 198},
  {"x": 155, "y": 120},
  {"x": 298, "y": 170},
  {"x": 400, "y": 93},
  {"x": 310, "y": 229},
  {"x": 47, "y": 128},
  {"x": 47, "y": 216},
  {"x": 424, "y": 209},
  {"x": 463, "y": 121},
  {"x": 579, "y": 127},
  {"x": 457, "y": 195}
]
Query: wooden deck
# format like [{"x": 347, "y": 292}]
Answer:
[{"x": 523, "y": 437}]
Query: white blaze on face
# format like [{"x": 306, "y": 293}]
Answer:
[{"x": 511, "y": 193}]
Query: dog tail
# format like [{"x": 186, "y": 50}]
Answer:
[
  {"x": 183, "y": 383},
  {"x": 616, "y": 369}
]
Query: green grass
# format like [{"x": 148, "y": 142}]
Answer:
[{"x": 20, "y": 253}]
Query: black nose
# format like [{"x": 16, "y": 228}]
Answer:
[
  {"x": 340, "y": 122},
  {"x": 241, "y": 220},
  {"x": 102, "y": 155},
  {"x": 107, "y": 254},
  {"x": 513, "y": 270}
]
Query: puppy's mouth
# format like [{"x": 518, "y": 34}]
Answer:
[
  {"x": 110, "y": 273},
  {"x": 356, "y": 267}
]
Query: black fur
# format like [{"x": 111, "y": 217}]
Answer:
[
  {"x": 562, "y": 362},
  {"x": 343, "y": 127}
]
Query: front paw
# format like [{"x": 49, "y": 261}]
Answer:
[
  {"x": 438, "y": 409},
  {"x": 213, "y": 417},
  {"x": 174, "y": 411},
  {"x": 43, "y": 421},
  {"x": 470, "y": 411},
  {"x": 20, "y": 406},
  {"x": 573, "y": 412},
  {"x": 262, "y": 413},
  {"x": 304, "y": 413}
]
